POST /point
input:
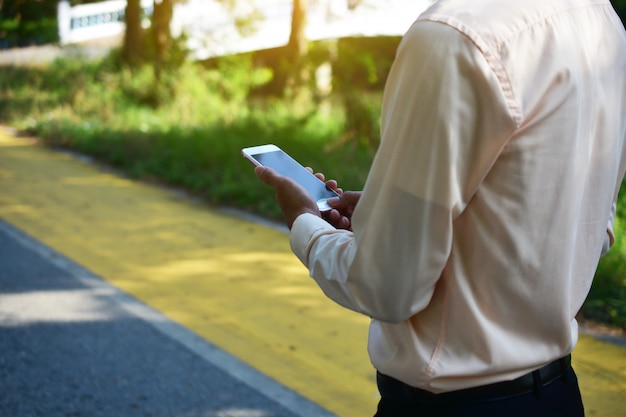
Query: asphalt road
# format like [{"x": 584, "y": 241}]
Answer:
[{"x": 73, "y": 345}]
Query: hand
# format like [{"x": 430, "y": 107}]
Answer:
[
  {"x": 343, "y": 206},
  {"x": 292, "y": 199}
]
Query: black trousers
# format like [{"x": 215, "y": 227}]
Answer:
[{"x": 558, "y": 398}]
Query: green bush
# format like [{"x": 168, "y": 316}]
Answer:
[
  {"x": 18, "y": 32},
  {"x": 363, "y": 63},
  {"x": 607, "y": 299}
]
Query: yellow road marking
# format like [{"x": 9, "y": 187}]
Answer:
[
  {"x": 601, "y": 369},
  {"x": 231, "y": 281}
]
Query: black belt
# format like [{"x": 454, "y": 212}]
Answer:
[{"x": 395, "y": 390}]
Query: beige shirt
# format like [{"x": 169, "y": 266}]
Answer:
[{"x": 491, "y": 197}]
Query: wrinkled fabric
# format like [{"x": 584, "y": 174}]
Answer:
[{"x": 491, "y": 197}]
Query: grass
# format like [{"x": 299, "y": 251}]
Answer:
[
  {"x": 194, "y": 139},
  {"x": 189, "y": 130}
]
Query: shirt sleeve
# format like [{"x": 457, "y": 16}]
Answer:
[{"x": 444, "y": 122}]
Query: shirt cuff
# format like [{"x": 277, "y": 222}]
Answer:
[{"x": 303, "y": 230}]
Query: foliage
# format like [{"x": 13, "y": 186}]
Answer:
[
  {"x": 607, "y": 299},
  {"x": 19, "y": 33},
  {"x": 364, "y": 63},
  {"x": 361, "y": 66},
  {"x": 194, "y": 140},
  {"x": 29, "y": 10},
  {"x": 620, "y": 8},
  {"x": 27, "y": 22}
]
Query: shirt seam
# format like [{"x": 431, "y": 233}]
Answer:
[
  {"x": 494, "y": 63},
  {"x": 513, "y": 105}
]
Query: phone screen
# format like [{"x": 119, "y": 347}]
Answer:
[{"x": 289, "y": 167}]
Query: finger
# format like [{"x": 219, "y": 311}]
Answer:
[
  {"x": 336, "y": 219},
  {"x": 333, "y": 217},
  {"x": 341, "y": 202},
  {"x": 267, "y": 175},
  {"x": 320, "y": 176},
  {"x": 332, "y": 184},
  {"x": 345, "y": 223},
  {"x": 350, "y": 198}
]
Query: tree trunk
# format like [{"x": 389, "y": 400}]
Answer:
[
  {"x": 297, "y": 47},
  {"x": 163, "y": 12},
  {"x": 133, "y": 42}
]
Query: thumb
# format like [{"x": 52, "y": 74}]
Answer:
[
  {"x": 266, "y": 174},
  {"x": 346, "y": 199}
]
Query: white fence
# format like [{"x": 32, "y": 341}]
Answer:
[
  {"x": 211, "y": 30},
  {"x": 91, "y": 21}
]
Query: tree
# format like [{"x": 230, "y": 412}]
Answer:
[
  {"x": 289, "y": 75},
  {"x": 154, "y": 47},
  {"x": 297, "y": 46},
  {"x": 161, "y": 35},
  {"x": 133, "y": 42}
]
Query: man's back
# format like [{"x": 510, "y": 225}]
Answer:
[{"x": 539, "y": 156}]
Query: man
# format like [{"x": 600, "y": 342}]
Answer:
[{"x": 490, "y": 200}]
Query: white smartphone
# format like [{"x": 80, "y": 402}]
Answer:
[{"x": 277, "y": 159}]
